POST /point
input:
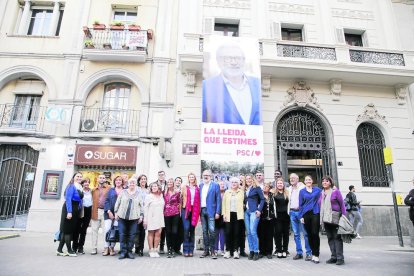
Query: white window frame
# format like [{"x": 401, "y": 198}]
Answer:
[
  {"x": 362, "y": 33},
  {"x": 125, "y": 10},
  {"x": 295, "y": 26}
]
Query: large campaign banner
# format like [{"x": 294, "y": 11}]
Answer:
[{"x": 231, "y": 128}]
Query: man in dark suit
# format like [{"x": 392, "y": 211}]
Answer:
[
  {"x": 210, "y": 200},
  {"x": 231, "y": 97}
]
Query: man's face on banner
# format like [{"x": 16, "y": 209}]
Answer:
[{"x": 231, "y": 61}]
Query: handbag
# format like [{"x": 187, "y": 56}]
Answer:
[
  {"x": 57, "y": 236},
  {"x": 113, "y": 234},
  {"x": 335, "y": 217}
]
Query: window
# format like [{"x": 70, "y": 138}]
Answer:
[
  {"x": 114, "y": 113},
  {"x": 293, "y": 34},
  {"x": 40, "y": 20},
  {"x": 371, "y": 144},
  {"x": 25, "y": 111},
  {"x": 226, "y": 29},
  {"x": 353, "y": 39},
  {"x": 125, "y": 16}
]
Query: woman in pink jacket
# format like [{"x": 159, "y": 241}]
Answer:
[{"x": 190, "y": 213}]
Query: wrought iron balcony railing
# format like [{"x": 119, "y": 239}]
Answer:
[
  {"x": 24, "y": 117},
  {"x": 116, "y": 39},
  {"x": 102, "y": 120},
  {"x": 385, "y": 58},
  {"x": 305, "y": 51}
]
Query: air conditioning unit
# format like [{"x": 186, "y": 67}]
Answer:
[{"x": 88, "y": 124}]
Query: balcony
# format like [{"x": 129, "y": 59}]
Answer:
[
  {"x": 22, "y": 118},
  {"x": 116, "y": 45},
  {"x": 318, "y": 62},
  {"x": 114, "y": 121}
]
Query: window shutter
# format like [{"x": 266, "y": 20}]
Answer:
[
  {"x": 208, "y": 25},
  {"x": 340, "y": 36},
  {"x": 365, "y": 40},
  {"x": 276, "y": 31},
  {"x": 304, "y": 34}
]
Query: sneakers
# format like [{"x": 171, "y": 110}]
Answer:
[
  {"x": 284, "y": 255},
  {"x": 236, "y": 255},
  {"x": 151, "y": 253},
  {"x": 72, "y": 254},
  {"x": 331, "y": 261},
  {"x": 61, "y": 253},
  {"x": 94, "y": 251},
  {"x": 275, "y": 253},
  {"x": 226, "y": 255},
  {"x": 156, "y": 255},
  {"x": 358, "y": 236},
  {"x": 279, "y": 255},
  {"x": 298, "y": 257},
  {"x": 315, "y": 259},
  {"x": 287, "y": 254},
  {"x": 308, "y": 258},
  {"x": 81, "y": 251},
  {"x": 205, "y": 254}
]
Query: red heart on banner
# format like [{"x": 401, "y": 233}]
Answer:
[{"x": 257, "y": 152}]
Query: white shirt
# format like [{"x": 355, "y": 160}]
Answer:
[
  {"x": 242, "y": 98},
  {"x": 204, "y": 195},
  {"x": 87, "y": 198},
  {"x": 192, "y": 193}
]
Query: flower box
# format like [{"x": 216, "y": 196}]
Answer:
[
  {"x": 99, "y": 26},
  {"x": 134, "y": 28}
]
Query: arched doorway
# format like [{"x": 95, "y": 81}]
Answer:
[{"x": 304, "y": 145}]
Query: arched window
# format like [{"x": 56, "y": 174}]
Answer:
[{"x": 371, "y": 157}]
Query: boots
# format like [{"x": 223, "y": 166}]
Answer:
[
  {"x": 105, "y": 252},
  {"x": 112, "y": 251}
]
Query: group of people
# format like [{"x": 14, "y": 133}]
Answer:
[{"x": 230, "y": 211}]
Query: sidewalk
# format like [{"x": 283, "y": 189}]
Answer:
[{"x": 34, "y": 254}]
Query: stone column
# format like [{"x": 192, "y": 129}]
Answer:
[
  {"x": 55, "y": 19},
  {"x": 25, "y": 18}
]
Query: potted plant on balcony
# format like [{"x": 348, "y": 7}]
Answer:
[
  {"x": 134, "y": 27},
  {"x": 98, "y": 26},
  {"x": 150, "y": 33},
  {"x": 89, "y": 44},
  {"x": 117, "y": 26}
]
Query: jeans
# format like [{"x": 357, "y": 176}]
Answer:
[
  {"x": 127, "y": 232},
  {"x": 251, "y": 222},
  {"x": 189, "y": 229},
  {"x": 219, "y": 239},
  {"x": 297, "y": 228},
  {"x": 209, "y": 234},
  {"x": 356, "y": 216},
  {"x": 335, "y": 241}
]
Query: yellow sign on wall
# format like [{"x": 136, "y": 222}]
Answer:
[
  {"x": 388, "y": 156},
  {"x": 399, "y": 199}
]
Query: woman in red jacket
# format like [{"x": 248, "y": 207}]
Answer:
[{"x": 190, "y": 213}]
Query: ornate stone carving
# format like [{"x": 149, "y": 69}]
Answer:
[
  {"x": 366, "y": 15},
  {"x": 266, "y": 85},
  {"x": 401, "y": 91},
  {"x": 371, "y": 113},
  {"x": 336, "y": 89},
  {"x": 292, "y": 8},
  {"x": 239, "y": 4},
  {"x": 301, "y": 94},
  {"x": 191, "y": 81}
]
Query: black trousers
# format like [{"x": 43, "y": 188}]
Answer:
[
  {"x": 139, "y": 239},
  {"x": 335, "y": 241},
  {"x": 180, "y": 236},
  {"x": 232, "y": 232},
  {"x": 312, "y": 226},
  {"x": 265, "y": 233},
  {"x": 80, "y": 233},
  {"x": 162, "y": 240},
  {"x": 282, "y": 226},
  {"x": 171, "y": 231},
  {"x": 242, "y": 237}
]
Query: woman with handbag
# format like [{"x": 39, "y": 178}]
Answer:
[
  {"x": 309, "y": 215},
  {"x": 332, "y": 207},
  {"x": 128, "y": 211},
  {"x": 109, "y": 213}
]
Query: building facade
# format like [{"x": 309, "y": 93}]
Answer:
[{"x": 337, "y": 87}]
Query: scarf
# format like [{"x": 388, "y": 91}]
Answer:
[{"x": 326, "y": 207}]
